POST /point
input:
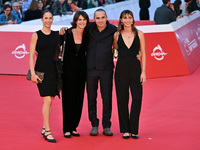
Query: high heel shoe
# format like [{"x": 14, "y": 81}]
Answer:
[
  {"x": 49, "y": 140},
  {"x": 126, "y": 136},
  {"x": 74, "y": 133},
  {"x": 134, "y": 136},
  {"x": 67, "y": 135},
  {"x": 43, "y": 129}
]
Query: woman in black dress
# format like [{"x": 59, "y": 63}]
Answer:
[
  {"x": 128, "y": 73},
  {"x": 45, "y": 42},
  {"x": 74, "y": 73}
]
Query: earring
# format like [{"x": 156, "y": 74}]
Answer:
[{"x": 122, "y": 23}]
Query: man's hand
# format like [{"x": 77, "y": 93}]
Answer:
[
  {"x": 139, "y": 56},
  {"x": 62, "y": 30},
  {"x": 15, "y": 21}
]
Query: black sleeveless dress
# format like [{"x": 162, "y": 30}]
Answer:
[
  {"x": 127, "y": 75},
  {"x": 46, "y": 47}
]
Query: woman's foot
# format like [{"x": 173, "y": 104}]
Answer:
[
  {"x": 67, "y": 135},
  {"x": 43, "y": 131},
  {"x": 48, "y": 136},
  {"x": 134, "y": 136},
  {"x": 126, "y": 135},
  {"x": 74, "y": 133}
]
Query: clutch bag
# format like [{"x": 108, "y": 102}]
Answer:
[{"x": 39, "y": 74}]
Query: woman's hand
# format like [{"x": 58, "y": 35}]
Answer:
[
  {"x": 143, "y": 77},
  {"x": 35, "y": 79},
  {"x": 10, "y": 22}
]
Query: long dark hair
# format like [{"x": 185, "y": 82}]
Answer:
[
  {"x": 76, "y": 16},
  {"x": 121, "y": 25},
  {"x": 5, "y": 7},
  {"x": 177, "y": 4}
]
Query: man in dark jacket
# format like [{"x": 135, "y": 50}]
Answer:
[
  {"x": 100, "y": 69},
  {"x": 165, "y": 14}
]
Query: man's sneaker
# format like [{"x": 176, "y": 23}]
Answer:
[
  {"x": 107, "y": 131},
  {"x": 94, "y": 131}
]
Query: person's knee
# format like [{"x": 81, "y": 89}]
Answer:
[{"x": 47, "y": 100}]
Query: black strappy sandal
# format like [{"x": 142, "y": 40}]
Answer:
[
  {"x": 49, "y": 140},
  {"x": 43, "y": 132}
]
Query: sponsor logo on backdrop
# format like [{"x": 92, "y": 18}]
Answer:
[
  {"x": 198, "y": 33},
  {"x": 20, "y": 51},
  {"x": 158, "y": 53},
  {"x": 189, "y": 45}
]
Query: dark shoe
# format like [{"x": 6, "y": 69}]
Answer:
[
  {"x": 74, "y": 133},
  {"x": 107, "y": 131},
  {"x": 94, "y": 131},
  {"x": 126, "y": 136},
  {"x": 43, "y": 131},
  {"x": 49, "y": 140},
  {"x": 68, "y": 135},
  {"x": 134, "y": 136}
]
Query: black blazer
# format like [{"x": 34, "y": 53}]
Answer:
[{"x": 74, "y": 63}]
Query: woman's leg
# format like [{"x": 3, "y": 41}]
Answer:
[
  {"x": 122, "y": 92},
  {"x": 136, "y": 92},
  {"x": 46, "y": 111},
  {"x": 43, "y": 128},
  {"x": 79, "y": 89},
  {"x": 67, "y": 106}
]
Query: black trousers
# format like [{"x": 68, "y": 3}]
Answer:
[
  {"x": 72, "y": 103},
  {"x": 106, "y": 81},
  {"x": 128, "y": 122}
]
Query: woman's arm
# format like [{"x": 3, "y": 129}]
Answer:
[
  {"x": 34, "y": 77},
  {"x": 143, "y": 57},
  {"x": 115, "y": 46}
]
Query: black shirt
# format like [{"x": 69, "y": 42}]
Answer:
[{"x": 99, "y": 54}]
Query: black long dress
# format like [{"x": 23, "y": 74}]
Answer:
[
  {"x": 46, "y": 47},
  {"x": 127, "y": 74},
  {"x": 74, "y": 77}
]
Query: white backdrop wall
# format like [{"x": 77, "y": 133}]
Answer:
[{"x": 113, "y": 12}]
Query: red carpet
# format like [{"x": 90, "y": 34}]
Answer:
[{"x": 169, "y": 118}]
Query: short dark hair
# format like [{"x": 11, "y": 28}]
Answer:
[
  {"x": 45, "y": 11},
  {"x": 165, "y": 1},
  {"x": 76, "y": 16},
  {"x": 6, "y": 6},
  {"x": 100, "y": 9}
]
